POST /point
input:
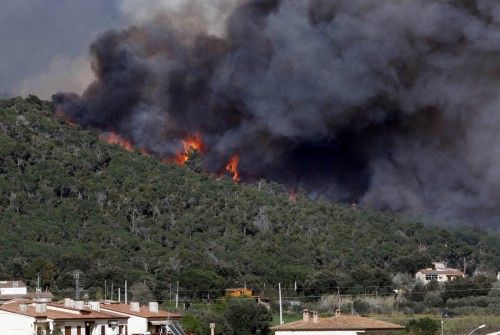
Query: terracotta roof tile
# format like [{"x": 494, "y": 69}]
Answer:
[
  {"x": 452, "y": 272},
  {"x": 56, "y": 314},
  {"x": 341, "y": 322},
  {"x": 144, "y": 311}
]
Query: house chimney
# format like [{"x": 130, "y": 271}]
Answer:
[
  {"x": 134, "y": 306},
  {"x": 338, "y": 312},
  {"x": 94, "y": 306},
  {"x": 305, "y": 315},
  {"x": 68, "y": 303},
  {"x": 23, "y": 308},
  {"x": 40, "y": 308},
  {"x": 315, "y": 317},
  {"x": 79, "y": 305},
  {"x": 153, "y": 307}
]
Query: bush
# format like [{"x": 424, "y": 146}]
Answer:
[
  {"x": 433, "y": 299},
  {"x": 417, "y": 293},
  {"x": 424, "y": 326},
  {"x": 467, "y": 287},
  {"x": 361, "y": 307},
  {"x": 247, "y": 317}
]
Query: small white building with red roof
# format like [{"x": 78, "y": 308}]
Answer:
[{"x": 440, "y": 273}]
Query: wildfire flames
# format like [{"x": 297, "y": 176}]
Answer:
[
  {"x": 189, "y": 144},
  {"x": 69, "y": 120},
  {"x": 232, "y": 167},
  {"x": 192, "y": 143},
  {"x": 114, "y": 138}
]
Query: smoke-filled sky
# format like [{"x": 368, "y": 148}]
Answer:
[
  {"x": 393, "y": 104},
  {"x": 44, "y": 43}
]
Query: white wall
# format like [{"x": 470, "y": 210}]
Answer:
[
  {"x": 16, "y": 324},
  {"x": 13, "y": 290},
  {"x": 136, "y": 325},
  {"x": 95, "y": 330}
]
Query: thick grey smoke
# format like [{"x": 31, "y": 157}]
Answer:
[{"x": 391, "y": 103}]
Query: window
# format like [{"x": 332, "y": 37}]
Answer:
[
  {"x": 103, "y": 330},
  {"x": 431, "y": 277},
  {"x": 78, "y": 330},
  {"x": 67, "y": 330}
]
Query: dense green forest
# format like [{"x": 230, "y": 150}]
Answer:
[{"x": 69, "y": 201}]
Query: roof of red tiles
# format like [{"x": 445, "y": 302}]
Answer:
[
  {"x": 340, "y": 322},
  {"x": 452, "y": 272},
  {"x": 144, "y": 312},
  {"x": 51, "y": 313}
]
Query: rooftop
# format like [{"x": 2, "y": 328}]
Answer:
[
  {"x": 338, "y": 322},
  {"x": 447, "y": 271},
  {"x": 55, "y": 312},
  {"x": 143, "y": 312}
]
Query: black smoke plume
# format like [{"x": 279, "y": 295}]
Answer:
[{"x": 395, "y": 104}]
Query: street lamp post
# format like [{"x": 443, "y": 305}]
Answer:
[{"x": 480, "y": 327}]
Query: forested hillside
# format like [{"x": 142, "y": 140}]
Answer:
[{"x": 69, "y": 201}]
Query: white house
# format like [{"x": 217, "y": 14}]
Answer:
[
  {"x": 312, "y": 324},
  {"x": 13, "y": 287},
  {"x": 23, "y": 317},
  {"x": 440, "y": 273},
  {"x": 146, "y": 319},
  {"x": 16, "y": 289}
]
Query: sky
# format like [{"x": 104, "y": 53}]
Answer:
[{"x": 38, "y": 36}]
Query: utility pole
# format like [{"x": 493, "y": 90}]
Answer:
[
  {"x": 126, "y": 300},
  {"x": 76, "y": 276},
  {"x": 112, "y": 291},
  {"x": 38, "y": 289},
  {"x": 177, "y": 297},
  {"x": 119, "y": 294},
  {"x": 338, "y": 297},
  {"x": 105, "y": 290},
  {"x": 170, "y": 292},
  {"x": 281, "y": 306}
]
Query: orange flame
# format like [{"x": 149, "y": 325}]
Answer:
[
  {"x": 69, "y": 120},
  {"x": 232, "y": 167},
  {"x": 114, "y": 138},
  {"x": 189, "y": 144}
]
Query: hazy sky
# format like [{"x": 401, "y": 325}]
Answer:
[{"x": 38, "y": 36}]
